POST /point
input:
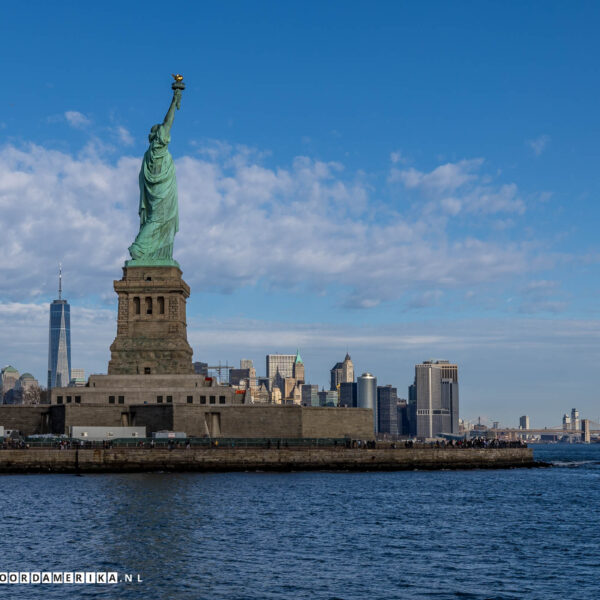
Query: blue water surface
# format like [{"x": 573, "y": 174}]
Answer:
[{"x": 501, "y": 534}]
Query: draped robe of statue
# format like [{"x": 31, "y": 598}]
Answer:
[{"x": 158, "y": 210}]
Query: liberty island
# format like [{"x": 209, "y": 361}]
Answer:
[
  {"x": 151, "y": 385},
  {"x": 151, "y": 382}
]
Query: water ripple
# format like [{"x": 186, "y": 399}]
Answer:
[{"x": 506, "y": 534}]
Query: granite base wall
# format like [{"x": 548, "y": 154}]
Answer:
[
  {"x": 242, "y": 421},
  {"x": 31, "y": 419},
  {"x": 356, "y": 423},
  {"x": 253, "y": 459}
]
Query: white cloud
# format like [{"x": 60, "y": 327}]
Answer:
[
  {"x": 307, "y": 225},
  {"x": 445, "y": 178},
  {"x": 452, "y": 206},
  {"x": 459, "y": 187},
  {"x": 124, "y": 136},
  {"x": 486, "y": 199},
  {"x": 65, "y": 209},
  {"x": 76, "y": 119},
  {"x": 539, "y": 144}
]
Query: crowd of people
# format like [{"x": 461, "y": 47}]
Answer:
[
  {"x": 171, "y": 444},
  {"x": 365, "y": 444},
  {"x": 478, "y": 442},
  {"x": 11, "y": 443}
]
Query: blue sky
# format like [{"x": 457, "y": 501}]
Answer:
[{"x": 402, "y": 180}]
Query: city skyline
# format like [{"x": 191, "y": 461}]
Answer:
[{"x": 420, "y": 192}]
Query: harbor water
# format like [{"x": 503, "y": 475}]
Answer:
[{"x": 479, "y": 534}]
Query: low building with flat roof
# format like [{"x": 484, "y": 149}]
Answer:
[{"x": 99, "y": 433}]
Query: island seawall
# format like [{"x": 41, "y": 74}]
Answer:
[{"x": 116, "y": 460}]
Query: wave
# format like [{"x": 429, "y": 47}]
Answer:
[{"x": 574, "y": 463}]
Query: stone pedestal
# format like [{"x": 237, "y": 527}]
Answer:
[{"x": 151, "y": 323}]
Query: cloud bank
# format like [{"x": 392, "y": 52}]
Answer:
[{"x": 309, "y": 225}]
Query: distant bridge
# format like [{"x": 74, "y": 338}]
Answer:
[{"x": 558, "y": 431}]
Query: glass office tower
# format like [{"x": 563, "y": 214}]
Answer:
[
  {"x": 367, "y": 395},
  {"x": 59, "y": 347}
]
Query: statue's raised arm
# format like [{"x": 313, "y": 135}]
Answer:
[
  {"x": 158, "y": 208},
  {"x": 177, "y": 86}
]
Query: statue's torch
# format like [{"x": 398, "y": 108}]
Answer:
[{"x": 178, "y": 85}]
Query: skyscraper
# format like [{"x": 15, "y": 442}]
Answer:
[
  {"x": 328, "y": 398},
  {"x": 285, "y": 367},
  {"x": 59, "y": 346},
  {"x": 349, "y": 394},
  {"x": 367, "y": 395},
  {"x": 450, "y": 402},
  {"x": 585, "y": 431},
  {"x": 411, "y": 409},
  {"x": 26, "y": 391},
  {"x": 387, "y": 409},
  {"x": 298, "y": 368},
  {"x": 201, "y": 368},
  {"x": 310, "y": 395},
  {"x": 403, "y": 417},
  {"x": 279, "y": 366},
  {"x": 8, "y": 379},
  {"x": 575, "y": 419},
  {"x": 245, "y": 375},
  {"x": 77, "y": 377},
  {"x": 436, "y": 406},
  {"x": 342, "y": 372}
]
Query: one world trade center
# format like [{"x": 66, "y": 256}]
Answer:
[{"x": 59, "y": 348}]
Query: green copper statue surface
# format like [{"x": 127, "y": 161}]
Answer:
[{"x": 158, "y": 210}]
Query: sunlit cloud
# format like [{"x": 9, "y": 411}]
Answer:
[
  {"x": 76, "y": 119},
  {"x": 306, "y": 226}
]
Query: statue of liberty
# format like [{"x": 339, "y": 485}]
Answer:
[{"x": 158, "y": 210}]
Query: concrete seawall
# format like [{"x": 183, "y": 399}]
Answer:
[{"x": 115, "y": 460}]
